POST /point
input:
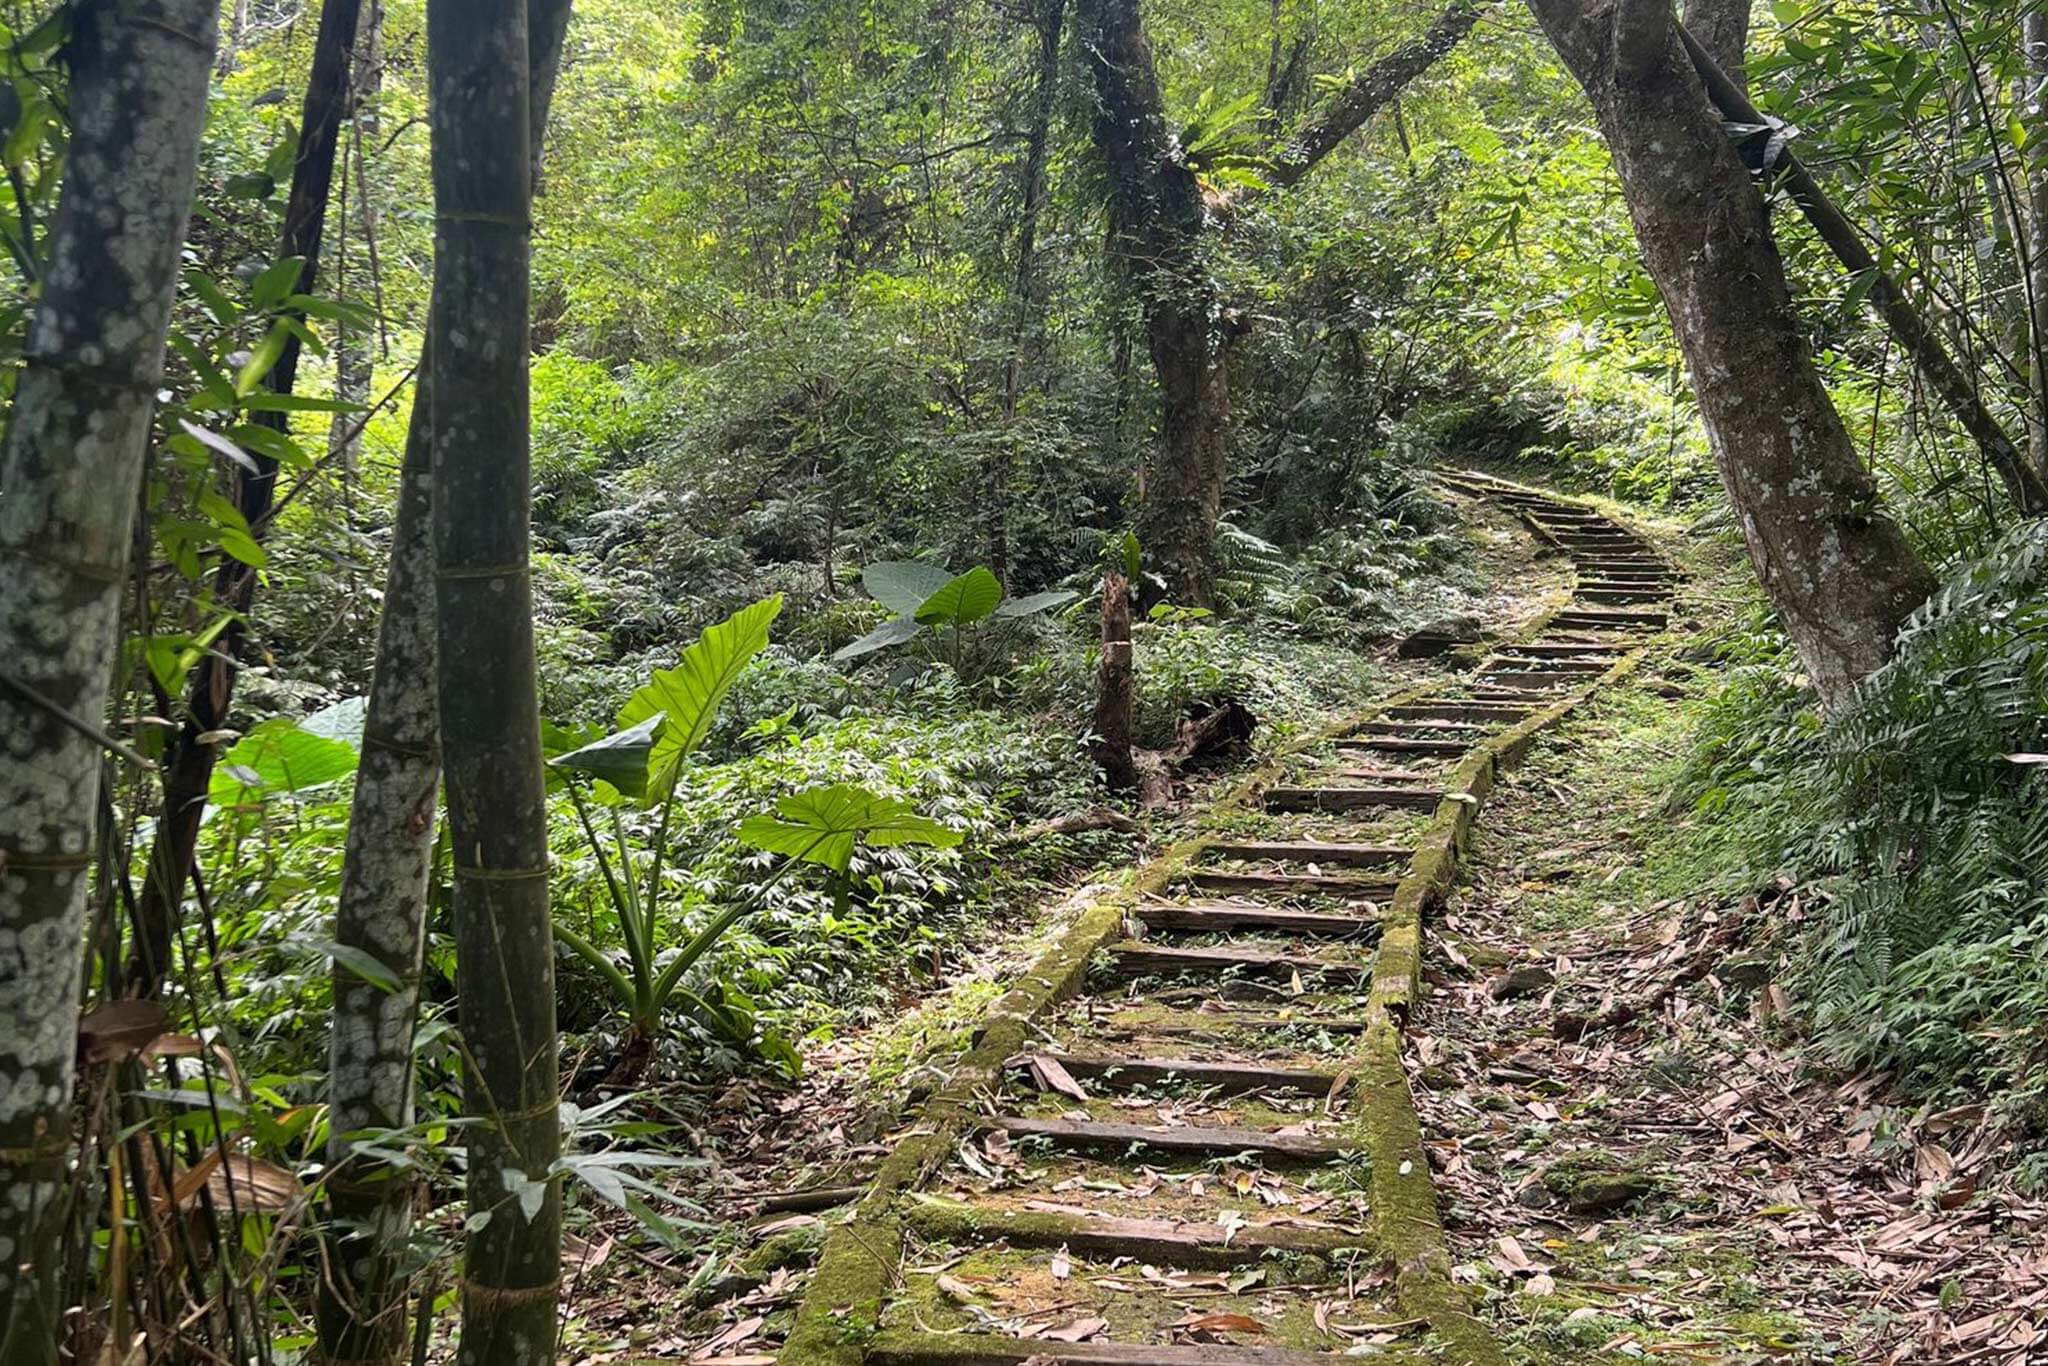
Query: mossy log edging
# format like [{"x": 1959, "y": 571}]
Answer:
[
  {"x": 1407, "y": 1226},
  {"x": 841, "y": 1311},
  {"x": 839, "y": 1320}
]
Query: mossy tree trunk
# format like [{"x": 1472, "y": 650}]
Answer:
[
  {"x": 382, "y": 905},
  {"x": 477, "y": 54},
  {"x": 1160, "y": 221},
  {"x": 72, "y": 469},
  {"x": 1833, "y": 562}
]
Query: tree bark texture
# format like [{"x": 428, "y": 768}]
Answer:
[
  {"x": 1371, "y": 92},
  {"x": 72, "y": 468},
  {"x": 1722, "y": 29},
  {"x": 210, "y": 690},
  {"x": 1159, "y": 221},
  {"x": 353, "y": 359},
  {"x": 1834, "y": 564},
  {"x": 2034, "y": 34},
  {"x": 1957, "y": 391},
  {"x": 1115, "y": 688},
  {"x": 1027, "y": 302},
  {"x": 477, "y": 55},
  {"x": 384, "y": 881}
]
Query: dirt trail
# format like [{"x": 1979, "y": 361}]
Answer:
[
  {"x": 1634, "y": 1156},
  {"x": 1186, "y": 1135}
]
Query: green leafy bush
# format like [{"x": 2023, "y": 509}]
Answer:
[{"x": 1931, "y": 958}]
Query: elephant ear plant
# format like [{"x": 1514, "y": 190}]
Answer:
[
  {"x": 925, "y": 597},
  {"x": 661, "y": 724}
]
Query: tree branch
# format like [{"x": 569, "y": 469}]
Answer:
[{"x": 1364, "y": 97}]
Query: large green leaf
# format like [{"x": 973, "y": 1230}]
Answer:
[
  {"x": 1036, "y": 603},
  {"x": 822, "y": 824},
  {"x": 963, "y": 601},
  {"x": 894, "y": 631},
  {"x": 619, "y": 758},
  {"x": 689, "y": 693},
  {"x": 278, "y": 758},
  {"x": 903, "y": 585}
]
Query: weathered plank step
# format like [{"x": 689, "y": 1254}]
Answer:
[
  {"x": 1363, "y": 770},
  {"x": 902, "y": 1347},
  {"x": 1484, "y": 692},
  {"x": 1187, "y": 1138},
  {"x": 1528, "y": 680},
  {"x": 1224, "y": 917},
  {"x": 1395, "y": 744},
  {"x": 1350, "y": 798},
  {"x": 1286, "y": 884},
  {"x": 1614, "y": 597},
  {"x": 1611, "y": 619},
  {"x": 1458, "y": 709},
  {"x": 1228, "y": 1077},
  {"x": 1207, "y": 1024},
  {"x": 1134, "y": 958},
  {"x": 1312, "y": 851},
  {"x": 1188, "y": 1246},
  {"x": 1620, "y": 567},
  {"x": 1558, "y": 664},
  {"x": 1423, "y": 730}
]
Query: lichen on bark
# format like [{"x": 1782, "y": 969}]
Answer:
[{"x": 72, "y": 467}]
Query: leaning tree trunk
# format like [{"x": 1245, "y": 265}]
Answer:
[
  {"x": 1722, "y": 28},
  {"x": 2034, "y": 33},
  {"x": 1957, "y": 390},
  {"x": 382, "y": 905},
  {"x": 72, "y": 470},
  {"x": 1834, "y": 564},
  {"x": 490, "y": 719},
  {"x": 188, "y": 766}
]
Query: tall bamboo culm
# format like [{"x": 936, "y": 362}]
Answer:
[{"x": 477, "y": 54}]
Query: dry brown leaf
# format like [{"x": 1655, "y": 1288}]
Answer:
[
  {"x": 1219, "y": 1323},
  {"x": 1080, "y": 1330},
  {"x": 250, "y": 1185},
  {"x": 119, "y": 1029},
  {"x": 1052, "y": 1076}
]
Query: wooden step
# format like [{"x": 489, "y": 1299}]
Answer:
[
  {"x": 1394, "y": 744},
  {"x": 1567, "y": 649},
  {"x": 1624, "y": 568},
  {"x": 1424, "y": 730},
  {"x": 1459, "y": 709},
  {"x": 1350, "y": 798},
  {"x": 1613, "y": 619},
  {"x": 1311, "y": 851},
  {"x": 1619, "y": 595},
  {"x": 1095, "y": 1133},
  {"x": 1206, "y": 1024},
  {"x": 1205, "y": 1246},
  {"x": 1232, "y": 1078},
  {"x": 1224, "y": 917},
  {"x": 1558, "y": 664},
  {"x": 1288, "y": 884},
  {"x": 1135, "y": 958},
  {"x": 904, "y": 1347},
  {"x": 1528, "y": 681}
]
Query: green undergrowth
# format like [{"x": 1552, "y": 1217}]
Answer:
[
  {"x": 1914, "y": 827},
  {"x": 1920, "y": 817}
]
